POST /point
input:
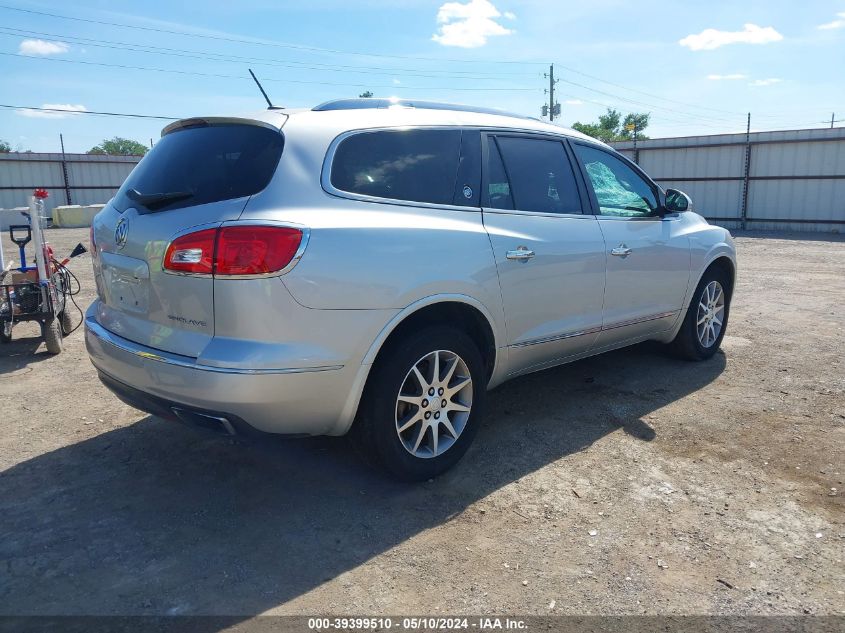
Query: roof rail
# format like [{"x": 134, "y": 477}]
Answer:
[{"x": 376, "y": 103}]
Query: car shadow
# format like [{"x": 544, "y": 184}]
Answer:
[{"x": 154, "y": 518}]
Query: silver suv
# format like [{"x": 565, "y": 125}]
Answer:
[{"x": 375, "y": 266}]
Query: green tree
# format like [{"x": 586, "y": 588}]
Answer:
[
  {"x": 612, "y": 127},
  {"x": 118, "y": 146},
  {"x": 639, "y": 120},
  {"x": 5, "y": 148},
  {"x": 366, "y": 95}
]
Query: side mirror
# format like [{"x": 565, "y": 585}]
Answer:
[{"x": 677, "y": 201}]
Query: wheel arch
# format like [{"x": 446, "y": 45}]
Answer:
[
  {"x": 725, "y": 264},
  {"x": 464, "y": 310}
]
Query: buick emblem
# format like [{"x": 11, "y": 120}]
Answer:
[{"x": 120, "y": 233}]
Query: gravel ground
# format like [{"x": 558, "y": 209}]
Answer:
[{"x": 624, "y": 484}]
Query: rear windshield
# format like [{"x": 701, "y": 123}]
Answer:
[{"x": 206, "y": 164}]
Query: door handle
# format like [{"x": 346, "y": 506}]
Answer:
[
  {"x": 621, "y": 251},
  {"x": 521, "y": 254}
]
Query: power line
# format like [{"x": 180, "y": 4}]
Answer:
[
  {"x": 647, "y": 94},
  {"x": 205, "y": 55},
  {"x": 275, "y": 79},
  {"x": 684, "y": 121},
  {"x": 63, "y": 111},
  {"x": 352, "y": 69},
  {"x": 237, "y": 40},
  {"x": 646, "y": 104}
]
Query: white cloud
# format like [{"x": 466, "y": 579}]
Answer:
[
  {"x": 836, "y": 24},
  {"x": 468, "y": 25},
  {"x": 709, "y": 39},
  {"x": 510, "y": 15},
  {"x": 41, "y": 47},
  {"x": 574, "y": 102},
  {"x": 68, "y": 110},
  {"x": 728, "y": 77},
  {"x": 396, "y": 82},
  {"x": 765, "y": 82}
]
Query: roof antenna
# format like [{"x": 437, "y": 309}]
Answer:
[{"x": 270, "y": 105}]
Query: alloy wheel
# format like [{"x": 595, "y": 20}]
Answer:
[
  {"x": 711, "y": 314},
  {"x": 434, "y": 404}
]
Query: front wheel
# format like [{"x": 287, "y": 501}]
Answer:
[
  {"x": 706, "y": 320},
  {"x": 423, "y": 403}
]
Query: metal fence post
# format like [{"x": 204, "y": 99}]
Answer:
[
  {"x": 746, "y": 182},
  {"x": 64, "y": 171}
]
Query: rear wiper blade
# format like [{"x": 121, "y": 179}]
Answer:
[{"x": 153, "y": 200}]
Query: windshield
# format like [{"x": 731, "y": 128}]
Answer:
[{"x": 198, "y": 165}]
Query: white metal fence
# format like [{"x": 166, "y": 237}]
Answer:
[
  {"x": 70, "y": 178},
  {"x": 788, "y": 180}
]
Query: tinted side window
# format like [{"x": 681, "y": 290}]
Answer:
[
  {"x": 620, "y": 190},
  {"x": 540, "y": 175},
  {"x": 416, "y": 165},
  {"x": 498, "y": 188},
  {"x": 211, "y": 163}
]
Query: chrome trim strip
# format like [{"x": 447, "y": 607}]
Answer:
[
  {"x": 141, "y": 351},
  {"x": 594, "y": 330},
  {"x": 557, "y": 337},
  {"x": 651, "y": 317},
  {"x": 543, "y": 214}
]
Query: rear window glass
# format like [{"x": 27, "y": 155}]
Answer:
[
  {"x": 416, "y": 165},
  {"x": 211, "y": 163}
]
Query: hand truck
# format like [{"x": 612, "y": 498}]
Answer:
[{"x": 36, "y": 292}]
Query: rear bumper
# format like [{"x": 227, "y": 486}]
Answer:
[{"x": 300, "y": 401}]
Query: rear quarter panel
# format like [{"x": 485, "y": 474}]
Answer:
[{"x": 365, "y": 255}]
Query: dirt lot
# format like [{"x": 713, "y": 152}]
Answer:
[{"x": 628, "y": 483}]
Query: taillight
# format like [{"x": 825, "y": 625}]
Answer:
[
  {"x": 234, "y": 250},
  {"x": 192, "y": 253}
]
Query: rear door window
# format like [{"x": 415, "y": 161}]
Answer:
[
  {"x": 206, "y": 163},
  {"x": 415, "y": 165},
  {"x": 539, "y": 176}
]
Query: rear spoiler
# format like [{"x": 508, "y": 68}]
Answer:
[{"x": 223, "y": 120}]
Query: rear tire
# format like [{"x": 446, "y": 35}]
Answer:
[
  {"x": 706, "y": 319},
  {"x": 406, "y": 428},
  {"x": 52, "y": 332}
]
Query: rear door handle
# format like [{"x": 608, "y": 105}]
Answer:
[
  {"x": 621, "y": 251},
  {"x": 521, "y": 254}
]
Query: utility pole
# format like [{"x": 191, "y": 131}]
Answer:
[
  {"x": 552, "y": 109},
  {"x": 832, "y": 115}
]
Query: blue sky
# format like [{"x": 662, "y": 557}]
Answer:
[{"x": 698, "y": 67}]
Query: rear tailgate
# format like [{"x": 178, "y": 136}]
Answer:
[{"x": 214, "y": 167}]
